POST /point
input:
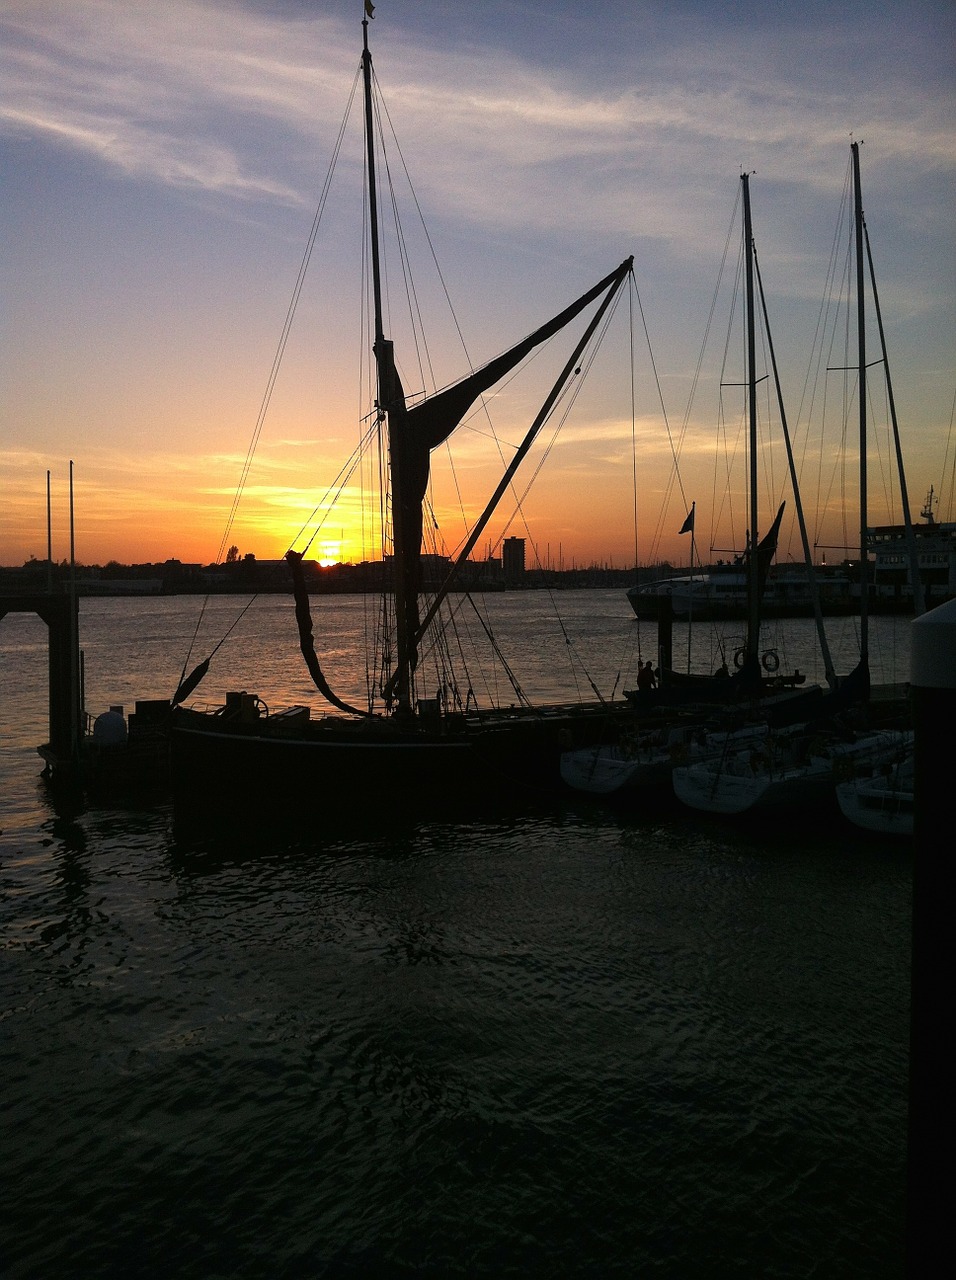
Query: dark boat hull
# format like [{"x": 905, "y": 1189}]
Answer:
[{"x": 340, "y": 759}]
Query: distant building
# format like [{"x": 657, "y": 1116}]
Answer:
[{"x": 512, "y": 558}]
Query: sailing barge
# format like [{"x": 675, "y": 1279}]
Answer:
[{"x": 407, "y": 737}]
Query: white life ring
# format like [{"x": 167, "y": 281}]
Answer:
[
  {"x": 740, "y": 658},
  {"x": 770, "y": 661}
]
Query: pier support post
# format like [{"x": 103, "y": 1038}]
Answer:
[{"x": 61, "y": 615}]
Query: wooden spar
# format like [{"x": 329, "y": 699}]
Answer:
[
  {"x": 372, "y": 192},
  {"x": 572, "y": 363},
  {"x": 387, "y": 390}
]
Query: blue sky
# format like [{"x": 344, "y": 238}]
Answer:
[{"x": 160, "y": 166}]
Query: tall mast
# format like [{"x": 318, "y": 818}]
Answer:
[
  {"x": 861, "y": 391},
  {"x": 389, "y": 393},
  {"x": 795, "y": 486},
  {"x": 372, "y": 201},
  {"x": 753, "y": 588}
]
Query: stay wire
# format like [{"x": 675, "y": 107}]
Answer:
[
  {"x": 290, "y": 316},
  {"x": 674, "y": 477},
  {"x": 276, "y": 362}
]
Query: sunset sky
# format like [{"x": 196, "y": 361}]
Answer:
[{"x": 160, "y": 166}]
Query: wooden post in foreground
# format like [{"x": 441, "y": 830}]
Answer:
[{"x": 933, "y": 688}]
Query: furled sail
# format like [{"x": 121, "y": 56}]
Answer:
[
  {"x": 303, "y": 617},
  {"x": 414, "y": 432},
  {"x": 189, "y": 684}
]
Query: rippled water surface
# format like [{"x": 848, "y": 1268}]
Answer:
[{"x": 564, "y": 1040}]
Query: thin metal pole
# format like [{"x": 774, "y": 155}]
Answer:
[
  {"x": 753, "y": 596},
  {"x": 74, "y": 638},
  {"x": 49, "y": 537},
  {"x": 690, "y": 597},
  {"x": 795, "y": 486},
  {"x": 861, "y": 389}
]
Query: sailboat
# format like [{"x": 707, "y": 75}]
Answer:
[
  {"x": 755, "y": 673},
  {"x": 724, "y": 714},
  {"x": 406, "y": 737},
  {"x": 800, "y": 764}
]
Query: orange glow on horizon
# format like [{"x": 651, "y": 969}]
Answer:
[
  {"x": 330, "y": 553},
  {"x": 179, "y": 518}
]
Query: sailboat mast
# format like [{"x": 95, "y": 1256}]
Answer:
[
  {"x": 919, "y": 602},
  {"x": 795, "y": 486},
  {"x": 861, "y": 391},
  {"x": 389, "y": 394},
  {"x": 372, "y": 202},
  {"x": 753, "y": 589}
]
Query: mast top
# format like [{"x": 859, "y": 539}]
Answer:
[{"x": 927, "y": 512}]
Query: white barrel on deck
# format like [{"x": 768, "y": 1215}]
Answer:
[{"x": 109, "y": 729}]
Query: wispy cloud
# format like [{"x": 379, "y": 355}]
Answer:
[
  {"x": 214, "y": 96},
  {"x": 165, "y": 92}
]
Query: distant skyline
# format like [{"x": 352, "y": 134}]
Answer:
[{"x": 159, "y": 170}]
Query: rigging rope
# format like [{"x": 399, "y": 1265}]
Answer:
[
  {"x": 676, "y": 451},
  {"x": 945, "y": 507},
  {"x": 290, "y": 315},
  {"x": 274, "y": 372}
]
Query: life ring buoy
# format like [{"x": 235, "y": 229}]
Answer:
[
  {"x": 770, "y": 660},
  {"x": 740, "y": 658}
]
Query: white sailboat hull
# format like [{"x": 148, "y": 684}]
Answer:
[
  {"x": 737, "y": 786},
  {"x": 604, "y": 770},
  {"x": 883, "y": 802},
  {"x": 788, "y": 771}
]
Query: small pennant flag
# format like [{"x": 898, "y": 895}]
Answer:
[
  {"x": 370, "y": 8},
  {"x": 688, "y": 525}
]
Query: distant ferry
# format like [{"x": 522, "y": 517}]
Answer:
[
  {"x": 721, "y": 592},
  {"x": 936, "y": 552}
]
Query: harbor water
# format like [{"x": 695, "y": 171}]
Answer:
[{"x": 558, "y": 1038}]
